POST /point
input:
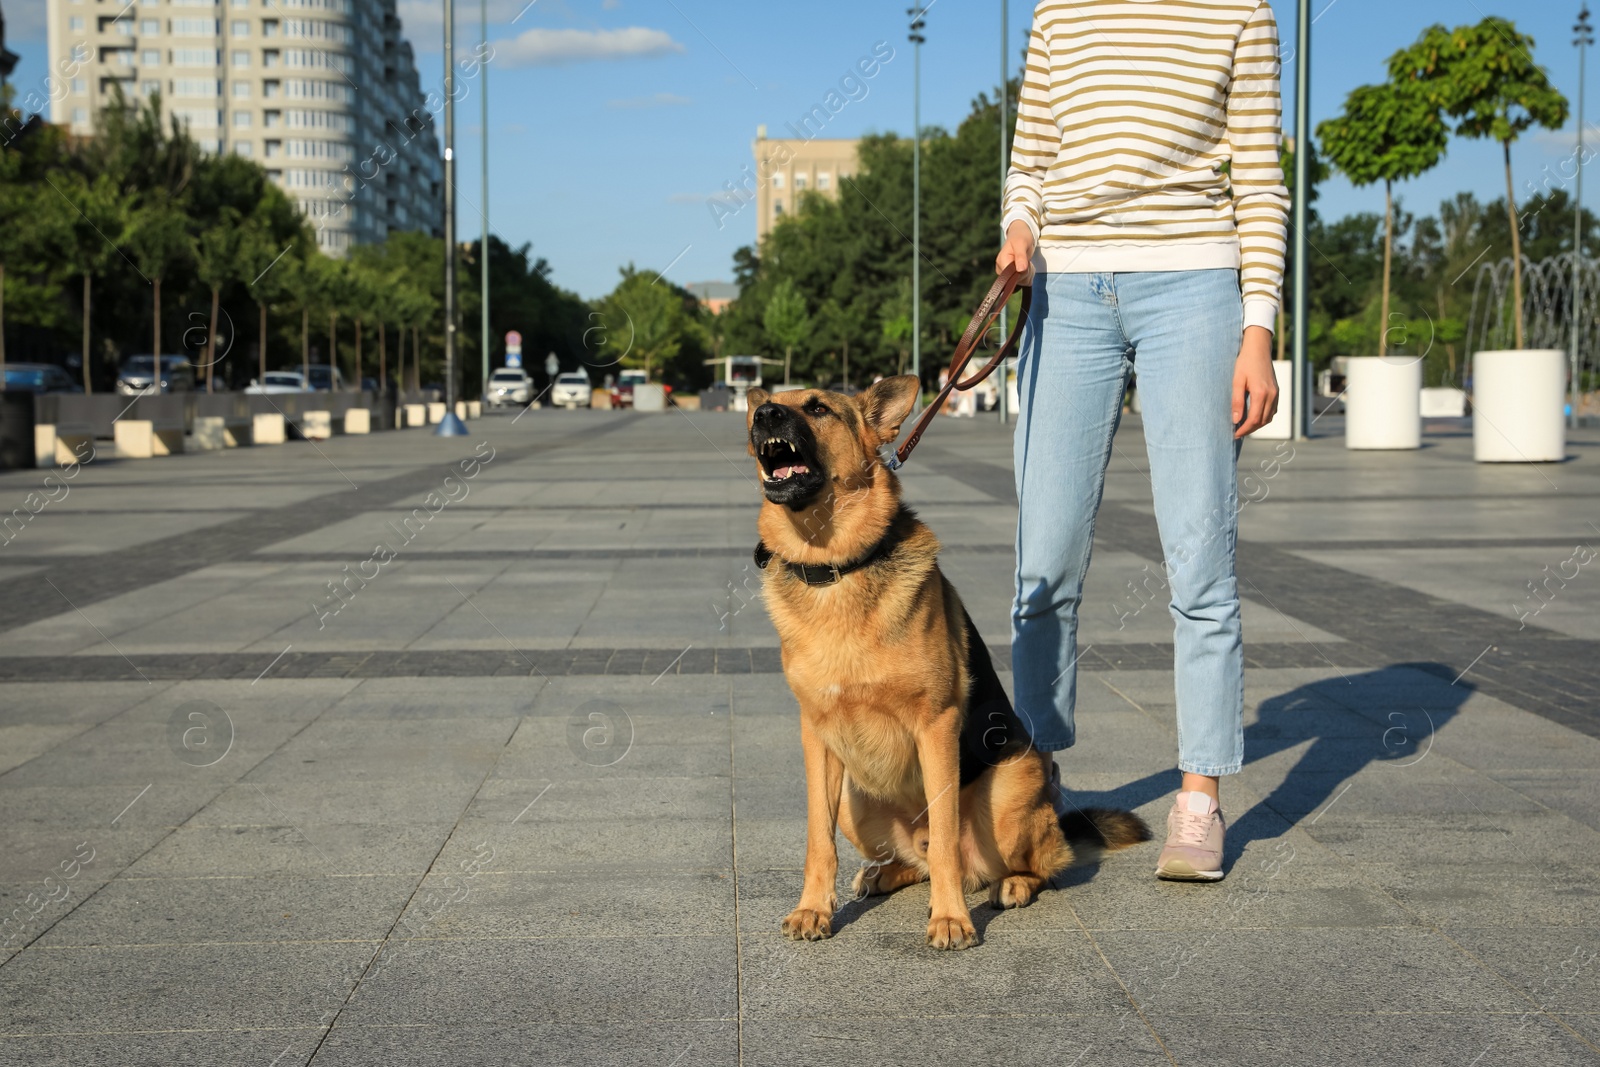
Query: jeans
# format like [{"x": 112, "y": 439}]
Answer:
[{"x": 1181, "y": 330}]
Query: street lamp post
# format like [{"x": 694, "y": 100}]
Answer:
[
  {"x": 1301, "y": 401},
  {"x": 916, "y": 39},
  {"x": 450, "y": 425},
  {"x": 483, "y": 242},
  {"x": 1583, "y": 37}
]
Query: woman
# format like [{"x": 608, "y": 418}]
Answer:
[{"x": 1146, "y": 192}]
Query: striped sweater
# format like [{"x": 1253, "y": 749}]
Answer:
[{"x": 1147, "y": 139}]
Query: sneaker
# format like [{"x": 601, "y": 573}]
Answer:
[{"x": 1193, "y": 852}]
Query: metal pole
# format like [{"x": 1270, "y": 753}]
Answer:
[
  {"x": 483, "y": 243},
  {"x": 1005, "y": 165},
  {"x": 450, "y": 425},
  {"x": 916, "y": 196},
  {"x": 1300, "y": 409},
  {"x": 1584, "y": 38}
]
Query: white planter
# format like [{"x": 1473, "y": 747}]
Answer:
[
  {"x": 649, "y": 396},
  {"x": 1383, "y": 402},
  {"x": 1518, "y": 401},
  {"x": 1444, "y": 404},
  {"x": 1281, "y": 428}
]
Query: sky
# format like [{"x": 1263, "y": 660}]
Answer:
[{"x": 614, "y": 123}]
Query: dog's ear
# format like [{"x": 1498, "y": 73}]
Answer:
[{"x": 886, "y": 404}]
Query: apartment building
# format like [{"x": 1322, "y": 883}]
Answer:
[
  {"x": 788, "y": 168},
  {"x": 323, "y": 93}
]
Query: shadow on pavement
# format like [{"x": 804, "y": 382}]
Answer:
[{"x": 1400, "y": 735}]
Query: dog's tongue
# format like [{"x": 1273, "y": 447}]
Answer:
[{"x": 785, "y": 472}]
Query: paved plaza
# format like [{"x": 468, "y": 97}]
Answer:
[{"x": 399, "y": 749}]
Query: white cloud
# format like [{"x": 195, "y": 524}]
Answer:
[
  {"x": 422, "y": 21},
  {"x": 658, "y": 100},
  {"x": 549, "y": 48}
]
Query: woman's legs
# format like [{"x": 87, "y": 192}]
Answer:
[
  {"x": 1186, "y": 329},
  {"x": 1070, "y": 382}
]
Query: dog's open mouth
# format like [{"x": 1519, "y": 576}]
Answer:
[{"x": 781, "y": 460}]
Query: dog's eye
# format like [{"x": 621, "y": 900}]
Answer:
[{"x": 816, "y": 407}]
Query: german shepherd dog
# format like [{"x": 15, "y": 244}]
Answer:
[{"x": 911, "y": 745}]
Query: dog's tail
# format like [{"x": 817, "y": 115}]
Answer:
[{"x": 1108, "y": 828}]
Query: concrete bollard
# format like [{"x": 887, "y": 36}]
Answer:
[
  {"x": 416, "y": 415},
  {"x": 210, "y": 433},
  {"x": 474, "y": 409},
  {"x": 436, "y": 412},
  {"x": 316, "y": 425},
  {"x": 44, "y": 445},
  {"x": 358, "y": 420},
  {"x": 135, "y": 438},
  {"x": 267, "y": 428},
  {"x": 461, "y": 410}
]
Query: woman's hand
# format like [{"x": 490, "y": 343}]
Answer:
[
  {"x": 1017, "y": 251},
  {"x": 1255, "y": 386}
]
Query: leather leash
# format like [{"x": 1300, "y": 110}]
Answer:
[{"x": 988, "y": 311}]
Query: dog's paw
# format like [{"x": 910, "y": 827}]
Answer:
[
  {"x": 804, "y": 924},
  {"x": 954, "y": 931},
  {"x": 1013, "y": 892}
]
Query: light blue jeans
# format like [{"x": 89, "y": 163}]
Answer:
[{"x": 1181, "y": 330}]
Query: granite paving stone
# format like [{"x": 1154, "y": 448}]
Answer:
[{"x": 535, "y": 794}]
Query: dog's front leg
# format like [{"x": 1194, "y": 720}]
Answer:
[
  {"x": 949, "y": 923},
  {"x": 813, "y": 919}
]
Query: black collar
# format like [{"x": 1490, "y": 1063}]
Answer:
[{"x": 829, "y": 573}]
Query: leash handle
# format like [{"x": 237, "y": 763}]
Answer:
[{"x": 988, "y": 311}]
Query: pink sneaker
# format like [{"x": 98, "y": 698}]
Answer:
[{"x": 1193, "y": 852}]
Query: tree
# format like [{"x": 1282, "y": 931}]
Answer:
[
  {"x": 786, "y": 321},
  {"x": 217, "y": 265},
  {"x": 1484, "y": 76},
  {"x": 159, "y": 241},
  {"x": 1387, "y": 133},
  {"x": 840, "y": 324},
  {"x": 94, "y": 225},
  {"x": 269, "y": 271},
  {"x": 648, "y": 321}
]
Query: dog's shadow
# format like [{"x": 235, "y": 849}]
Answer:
[{"x": 1342, "y": 743}]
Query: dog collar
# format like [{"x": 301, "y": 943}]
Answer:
[{"x": 829, "y": 573}]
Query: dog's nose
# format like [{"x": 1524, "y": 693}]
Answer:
[{"x": 770, "y": 412}]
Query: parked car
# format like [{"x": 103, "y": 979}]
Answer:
[
  {"x": 325, "y": 378},
  {"x": 39, "y": 378},
  {"x": 508, "y": 385},
  {"x": 622, "y": 395},
  {"x": 278, "y": 381},
  {"x": 177, "y": 375},
  {"x": 571, "y": 390}
]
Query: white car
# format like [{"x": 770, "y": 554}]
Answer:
[
  {"x": 508, "y": 385},
  {"x": 571, "y": 390},
  {"x": 278, "y": 381}
]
